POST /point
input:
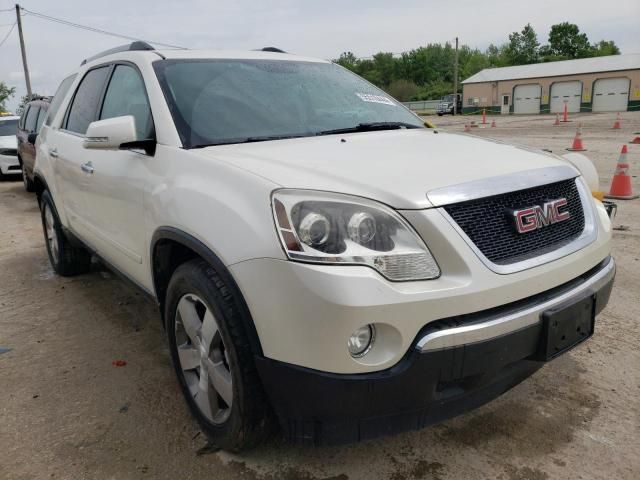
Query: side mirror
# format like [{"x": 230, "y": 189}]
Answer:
[
  {"x": 31, "y": 138},
  {"x": 110, "y": 133}
]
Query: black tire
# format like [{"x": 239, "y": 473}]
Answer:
[
  {"x": 29, "y": 186},
  {"x": 67, "y": 260},
  {"x": 249, "y": 420}
]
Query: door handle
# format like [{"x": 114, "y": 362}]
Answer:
[
  {"x": 87, "y": 167},
  {"x": 53, "y": 152}
]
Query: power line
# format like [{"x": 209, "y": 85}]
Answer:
[
  {"x": 8, "y": 33},
  {"x": 95, "y": 30}
]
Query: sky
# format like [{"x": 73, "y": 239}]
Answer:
[{"x": 320, "y": 28}]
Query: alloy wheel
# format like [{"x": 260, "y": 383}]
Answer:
[
  {"x": 50, "y": 231},
  {"x": 203, "y": 358}
]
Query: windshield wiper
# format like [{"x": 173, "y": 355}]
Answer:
[
  {"x": 370, "y": 127},
  {"x": 265, "y": 138}
]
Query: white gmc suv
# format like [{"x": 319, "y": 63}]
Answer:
[{"x": 318, "y": 256}]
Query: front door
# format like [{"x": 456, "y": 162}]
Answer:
[
  {"x": 504, "y": 109},
  {"x": 120, "y": 178}
]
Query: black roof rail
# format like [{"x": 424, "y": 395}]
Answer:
[
  {"x": 134, "y": 46},
  {"x": 272, "y": 49}
]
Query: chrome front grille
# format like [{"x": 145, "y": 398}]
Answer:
[{"x": 488, "y": 224}]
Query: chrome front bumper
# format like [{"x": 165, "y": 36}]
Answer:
[{"x": 518, "y": 317}]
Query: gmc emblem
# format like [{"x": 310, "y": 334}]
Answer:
[{"x": 539, "y": 216}]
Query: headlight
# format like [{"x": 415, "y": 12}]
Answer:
[{"x": 330, "y": 228}]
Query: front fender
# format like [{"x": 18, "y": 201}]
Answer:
[{"x": 224, "y": 207}]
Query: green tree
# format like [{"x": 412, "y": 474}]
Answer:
[
  {"x": 470, "y": 62},
  {"x": 434, "y": 90},
  {"x": 403, "y": 90},
  {"x": 523, "y": 47},
  {"x": 348, "y": 60},
  {"x": 6, "y": 93},
  {"x": 496, "y": 56},
  {"x": 604, "y": 47},
  {"x": 566, "y": 42},
  {"x": 429, "y": 69}
]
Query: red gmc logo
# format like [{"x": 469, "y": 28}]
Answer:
[{"x": 539, "y": 216}]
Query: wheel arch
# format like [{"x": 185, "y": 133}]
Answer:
[
  {"x": 170, "y": 248},
  {"x": 40, "y": 184}
]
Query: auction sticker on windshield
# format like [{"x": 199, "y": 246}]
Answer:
[{"x": 368, "y": 97}]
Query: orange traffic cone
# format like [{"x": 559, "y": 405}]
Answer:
[
  {"x": 635, "y": 140},
  {"x": 616, "y": 125},
  {"x": 557, "y": 122},
  {"x": 621, "y": 183},
  {"x": 467, "y": 127},
  {"x": 577, "y": 141},
  {"x": 565, "y": 114},
  {"x": 493, "y": 124},
  {"x": 484, "y": 116}
]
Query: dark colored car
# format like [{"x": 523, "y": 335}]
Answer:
[{"x": 28, "y": 128}]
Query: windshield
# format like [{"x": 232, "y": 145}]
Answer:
[
  {"x": 232, "y": 101},
  {"x": 447, "y": 98},
  {"x": 8, "y": 127}
]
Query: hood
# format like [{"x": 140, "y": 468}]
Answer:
[
  {"x": 396, "y": 167},
  {"x": 8, "y": 141}
]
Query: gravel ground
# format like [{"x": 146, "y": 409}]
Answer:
[{"x": 67, "y": 412}]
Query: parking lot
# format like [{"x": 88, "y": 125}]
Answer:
[{"x": 69, "y": 413}]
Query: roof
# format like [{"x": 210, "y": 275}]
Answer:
[
  {"x": 237, "y": 54},
  {"x": 140, "y": 49},
  {"x": 553, "y": 69}
]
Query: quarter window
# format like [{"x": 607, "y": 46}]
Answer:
[
  {"x": 23, "y": 118},
  {"x": 43, "y": 113},
  {"x": 32, "y": 117},
  {"x": 85, "y": 103},
  {"x": 58, "y": 97},
  {"x": 126, "y": 95}
]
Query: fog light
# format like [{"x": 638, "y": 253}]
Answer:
[{"x": 361, "y": 341}]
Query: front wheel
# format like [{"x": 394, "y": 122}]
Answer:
[{"x": 212, "y": 358}]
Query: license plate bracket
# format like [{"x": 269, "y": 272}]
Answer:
[{"x": 566, "y": 326}]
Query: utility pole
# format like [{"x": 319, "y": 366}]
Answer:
[
  {"x": 24, "y": 52},
  {"x": 455, "y": 82}
]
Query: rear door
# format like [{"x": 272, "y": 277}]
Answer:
[
  {"x": 27, "y": 125},
  {"x": 29, "y": 160},
  {"x": 66, "y": 150},
  {"x": 120, "y": 178}
]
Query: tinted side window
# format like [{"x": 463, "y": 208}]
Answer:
[
  {"x": 126, "y": 95},
  {"x": 43, "y": 113},
  {"x": 58, "y": 97},
  {"x": 23, "y": 117},
  {"x": 32, "y": 117},
  {"x": 85, "y": 103}
]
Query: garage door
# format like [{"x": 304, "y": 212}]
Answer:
[
  {"x": 611, "y": 95},
  {"x": 566, "y": 92},
  {"x": 526, "y": 99}
]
